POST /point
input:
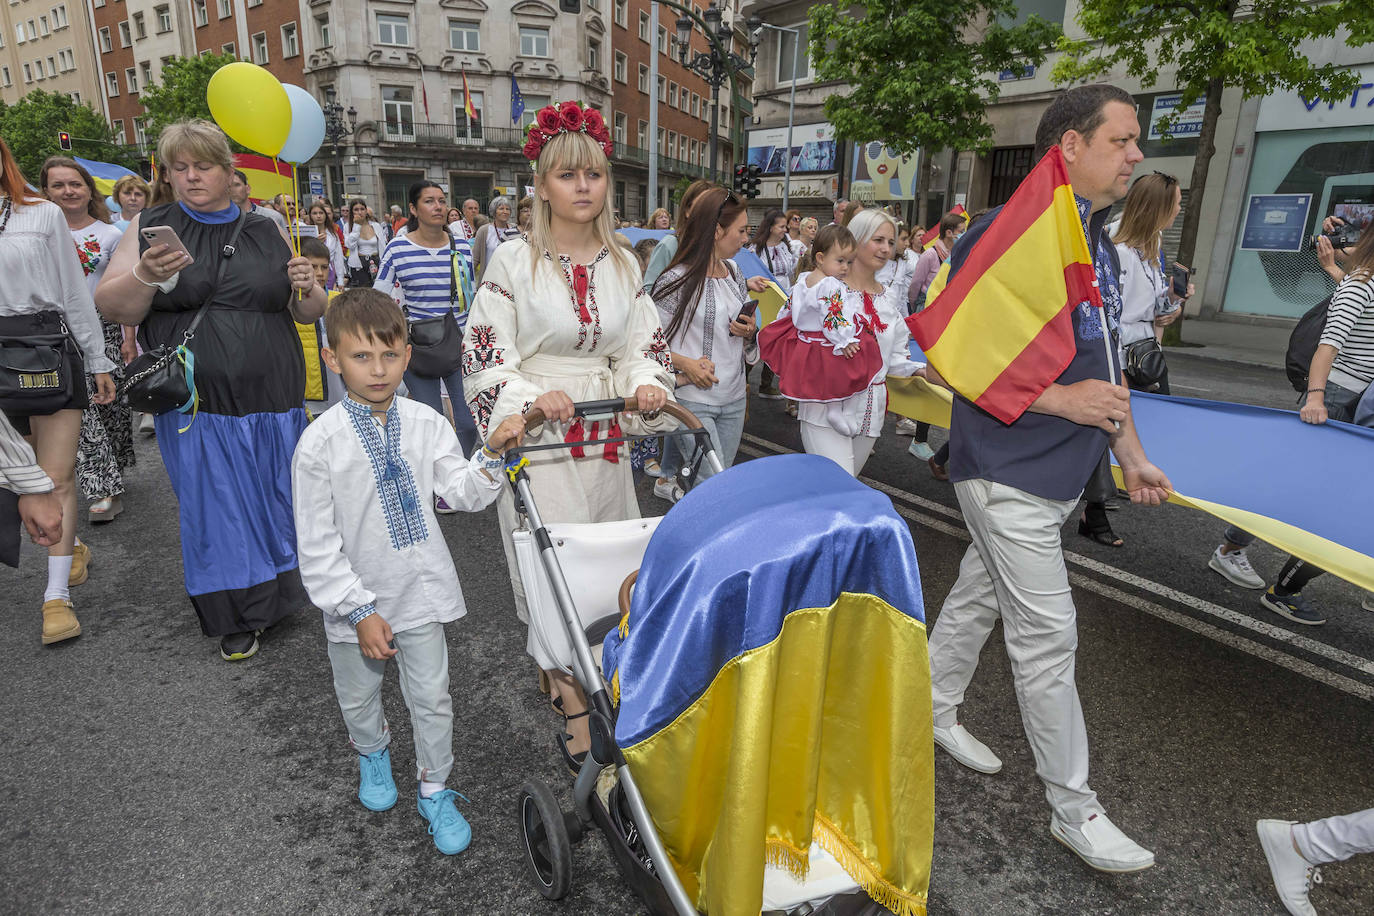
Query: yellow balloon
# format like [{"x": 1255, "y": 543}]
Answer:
[{"x": 250, "y": 105}]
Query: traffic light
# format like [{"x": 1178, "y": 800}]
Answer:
[
  {"x": 752, "y": 181},
  {"x": 741, "y": 173},
  {"x": 64, "y": 140}
]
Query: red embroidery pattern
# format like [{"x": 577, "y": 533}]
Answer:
[
  {"x": 871, "y": 313},
  {"x": 481, "y": 351},
  {"x": 581, "y": 324},
  {"x": 658, "y": 350},
  {"x": 88, "y": 252},
  {"x": 499, "y": 290},
  {"x": 580, "y": 283}
]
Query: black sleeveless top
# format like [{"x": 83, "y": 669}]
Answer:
[{"x": 248, "y": 356}]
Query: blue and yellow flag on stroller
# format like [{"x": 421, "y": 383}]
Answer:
[{"x": 774, "y": 686}]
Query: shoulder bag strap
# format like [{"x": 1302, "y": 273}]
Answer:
[{"x": 226, "y": 253}]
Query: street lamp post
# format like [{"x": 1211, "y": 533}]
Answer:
[
  {"x": 336, "y": 130},
  {"x": 717, "y": 64},
  {"x": 791, "y": 108}
]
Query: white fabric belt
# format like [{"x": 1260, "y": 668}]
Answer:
[{"x": 541, "y": 364}]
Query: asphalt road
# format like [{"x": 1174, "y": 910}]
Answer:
[{"x": 142, "y": 774}]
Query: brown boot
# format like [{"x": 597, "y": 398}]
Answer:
[
  {"x": 59, "y": 621},
  {"x": 81, "y": 565}
]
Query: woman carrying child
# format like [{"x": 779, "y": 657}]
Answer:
[{"x": 560, "y": 318}]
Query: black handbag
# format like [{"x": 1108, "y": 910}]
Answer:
[
  {"x": 163, "y": 379},
  {"x": 436, "y": 344},
  {"x": 38, "y": 370},
  {"x": 1145, "y": 366}
]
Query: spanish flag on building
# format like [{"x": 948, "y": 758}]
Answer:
[
  {"x": 774, "y": 686},
  {"x": 1002, "y": 330}
]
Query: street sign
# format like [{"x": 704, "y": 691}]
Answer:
[{"x": 317, "y": 184}]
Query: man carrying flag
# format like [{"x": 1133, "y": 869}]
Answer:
[{"x": 1018, "y": 332}]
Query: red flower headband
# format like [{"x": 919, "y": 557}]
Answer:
[{"x": 567, "y": 117}]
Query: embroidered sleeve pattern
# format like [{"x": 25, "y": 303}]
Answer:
[
  {"x": 834, "y": 312},
  {"x": 499, "y": 290},
  {"x": 405, "y": 519},
  {"x": 481, "y": 351},
  {"x": 484, "y": 402},
  {"x": 658, "y": 350}
]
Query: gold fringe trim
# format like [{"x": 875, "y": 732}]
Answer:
[
  {"x": 624, "y": 625},
  {"x": 782, "y": 854},
  {"x": 865, "y": 874},
  {"x": 615, "y": 688}
]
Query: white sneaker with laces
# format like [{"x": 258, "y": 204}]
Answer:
[
  {"x": 1235, "y": 567},
  {"x": 1102, "y": 845},
  {"x": 906, "y": 427},
  {"x": 921, "y": 450},
  {"x": 667, "y": 488},
  {"x": 967, "y": 749},
  {"x": 1293, "y": 875}
]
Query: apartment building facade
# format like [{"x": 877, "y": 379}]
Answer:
[{"x": 46, "y": 44}]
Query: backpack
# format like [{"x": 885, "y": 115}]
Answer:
[{"x": 1302, "y": 344}]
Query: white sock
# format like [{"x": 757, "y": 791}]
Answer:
[
  {"x": 59, "y": 571},
  {"x": 428, "y": 789}
]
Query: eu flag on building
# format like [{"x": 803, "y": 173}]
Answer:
[{"x": 517, "y": 101}]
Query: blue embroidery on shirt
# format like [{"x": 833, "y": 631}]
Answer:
[
  {"x": 405, "y": 521},
  {"x": 1108, "y": 283}
]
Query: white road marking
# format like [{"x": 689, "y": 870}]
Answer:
[{"x": 759, "y": 447}]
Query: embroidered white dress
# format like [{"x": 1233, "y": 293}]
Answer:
[
  {"x": 366, "y": 533},
  {"x": 589, "y": 331}
]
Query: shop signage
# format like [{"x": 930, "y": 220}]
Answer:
[
  {"x": 1291, "y": 111},
  {"x": 1023, "y": 72},
  {"x": 1275, "y": 222},
  {"x": 813, "y": 149},
  {"x": 1189, "y": 123}
]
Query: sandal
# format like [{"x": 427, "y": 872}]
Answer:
[
  {"x": 937, "y": 470},
  {"x": 652, "y": 468},
  {"x": 572, "y": 761},
  {"x": 104, "y": 510},
  {"x": 1093, "y": 524}
]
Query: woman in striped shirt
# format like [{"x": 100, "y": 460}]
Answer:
[
  {"x": 430, "y": 272},
  {"x": 1343, "y": 366}
]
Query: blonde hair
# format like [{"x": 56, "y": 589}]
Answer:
[
  {"x": 127, "y": 182},
  {"x": 572, "y": 150},
  {"x": 653, "y": 218},
  {"x": 1148, "y": 206},
  {"x": 865, "y": 224},
  {"x": 196, "y": 138},
  {"x": 809, "y": 220}
]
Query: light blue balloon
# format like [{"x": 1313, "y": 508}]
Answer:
[{"x": 307, "y": 126}]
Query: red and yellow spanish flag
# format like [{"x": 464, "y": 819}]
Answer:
[
  {"x": 266, "y": 176},
  {"x": 1002, "y": 329},
  {"x": 933, "y": 232},
  {"x": 468, "y": 108}
]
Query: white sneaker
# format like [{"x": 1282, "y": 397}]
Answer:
[
  {"x": 1102, "y": 845},
  {"x": 667, "y": 488},
  {"x": 145, "y": 425},
  {"x": 906, "y": 427},
  {"x": 1293, "y": 875},
  {"x": 921, "y": 450},
  {"x": 967, "y": 749},
  {"x": 1235, "y": 567},
  {"x": 1368, "y": 602}
]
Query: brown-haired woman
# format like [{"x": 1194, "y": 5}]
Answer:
[{"x": 45, "y": 292}]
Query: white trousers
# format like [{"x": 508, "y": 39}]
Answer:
[
  {"x": 1335, "y": 839},
  {"x": 422, "y": 661},
  {"x": 849, "y": 452},
  {"x": 1015, "y": 570}
]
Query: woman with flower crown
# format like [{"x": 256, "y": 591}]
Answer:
[{"x": 558, "y": 318}]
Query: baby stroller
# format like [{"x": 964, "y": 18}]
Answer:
[{"x": 587, "y": 574}]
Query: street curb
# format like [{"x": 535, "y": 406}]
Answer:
[{"x": 1197, "y": 353}]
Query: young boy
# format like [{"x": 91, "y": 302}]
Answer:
[
  {"x": 319, "y": 386},
  {"x": 372, "y": 556}
]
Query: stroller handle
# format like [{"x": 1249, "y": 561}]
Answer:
[{"x": 535, "y": 416}]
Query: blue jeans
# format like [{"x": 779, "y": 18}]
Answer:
[
  {"x": 426, "y": 391},
  {"x": 725, "y": 423}
]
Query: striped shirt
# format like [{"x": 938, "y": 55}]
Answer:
[
  {"x": 19, "y": 470},
  {"x": 422, "y": 279},
  {"x": 1350, "y": 329}
]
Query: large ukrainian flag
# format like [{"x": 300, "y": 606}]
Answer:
[{"x": 774, "y": 686}]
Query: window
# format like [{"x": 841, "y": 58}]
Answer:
[
  {"x": 117, "y": 125},
  {"x": 124, "y": 39},
  {"x": 290, "y": 44},
  {"x": 164, "y": 18},
  {"x": 260, "y": 48},
  {"x": 532, "y": 104},
  {"x": 662, "y": 40},
  {"x": 622, "y": 68},
  {"x": 252, "y": 3},
  {"x": 393, "y": 29},
  {"x": 97, "y": 4},
  {"x": 111, "y": 82},
  {"x": 662, "y": 140},
  {"x": 28, "y": 77},
  {"x": 643, "y": 26},
  {"x": 672, "y": 144},
  {"x": 642, "y": 135},
  {"x": 19, "y": 36},
  {"x": 43, "y": 26},
  {"x": 468, "y": 128},
  {"x": 643, "y": 79},
  {"x": 5, "y": 77},
  {"x": 225, "y": 8},
  {"x": 693, "y": 157},
  {"x": 227, "y": 49},
  {"x": 140, "y": 135},
  {"x": 322, "y": 35},
  {"x": 662, "y": 89},
  {"x": 140, "y": 27},
  {"x": 131, "y": 79},
  {"x": 621, "y": 6},
  {"x": 620, "y": 197},
  {"x": 593, "y": 4},
  {"x": 146, "y": 69},
  {"x": 105, "y": 46},
  {"x": 398, "y": 110},
  {"x": 672, "y": 95},
  {"x": 534, "y": 42},
  {"x": 202, "y": 16},
  {"x": 52, "y": 67},
  {"x": 619, "y": 130},
  {"x": 66, "y": 60},
  {"x": 787, "y": 43},
  {"x": 59, "y": 16},
  {"x": 594, "y": 56},
  {"x": 464, "y": 35},
  {"x": 697, "y": 108}
]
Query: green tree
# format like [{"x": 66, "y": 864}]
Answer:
[
  {"x": 181, "y": 93},
  {"x": 1204, "y": 46},
  {"x": 921, "y": 73},
  {"x": 30, "y": 127}
]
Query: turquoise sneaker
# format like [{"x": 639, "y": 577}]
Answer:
[
  {"x": 450, "y": 831},
  {"x": 376, "y": 788}
]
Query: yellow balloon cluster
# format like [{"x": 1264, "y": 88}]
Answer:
[{"x": 251, "y": 106}]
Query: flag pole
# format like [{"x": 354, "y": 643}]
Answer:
[{"x": 1113, "y": 371}]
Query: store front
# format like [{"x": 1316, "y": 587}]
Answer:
[{"x": 1311, "y": 161}]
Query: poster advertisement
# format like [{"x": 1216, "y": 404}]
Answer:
[
  {"x": 1189, "y": 123},
  {"x": 1275, "y": 222},
  {"x": 882, "y": 174},
  {"x": 813, "y": 149}
]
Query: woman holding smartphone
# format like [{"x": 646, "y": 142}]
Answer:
[{"x": 708, "y": 320}]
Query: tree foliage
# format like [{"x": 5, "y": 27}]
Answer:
[
  {"x": 181, "y": 92},
  {"x": 30, "y": 127},
  {"x": 921, "y": 73}
]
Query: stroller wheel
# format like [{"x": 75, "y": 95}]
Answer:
[{"x": 548, "y": 851}]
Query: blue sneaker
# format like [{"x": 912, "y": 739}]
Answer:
[
  {"x": 450, "y": 831},
  {"x": 376, "y": 788},
  {"x": 1293, "y": 607}
]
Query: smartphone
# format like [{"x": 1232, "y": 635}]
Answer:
[
  {"x": 749, "y": 309},
  {"x": 164, "y": 235},
  {"x": 1180, "y": 279}
]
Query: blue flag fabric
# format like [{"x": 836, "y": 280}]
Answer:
[
  {"x": 517, "y": 101},
  {"x": 751, "y": 265},
  {"x": 638, "y": 235}
]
